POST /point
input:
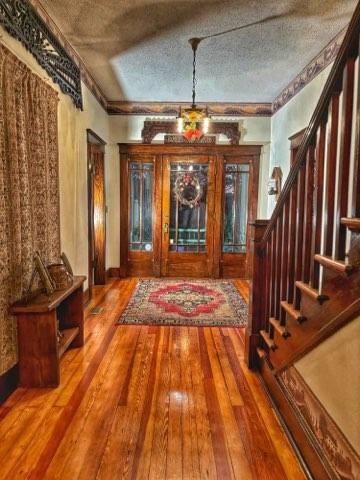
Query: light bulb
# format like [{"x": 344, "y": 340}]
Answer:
[
  {"x": 205, "y": 128},
  {"x": 180, "y": 124}
]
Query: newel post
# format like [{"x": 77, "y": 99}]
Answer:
[{"x": 257, "y": 291}]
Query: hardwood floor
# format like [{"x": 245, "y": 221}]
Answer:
[{"x": 146, "y": 402}]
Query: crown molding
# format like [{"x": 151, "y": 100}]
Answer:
[
  {"x": 173, "y": 108},
  {"x": 123, "y": 107},
  {"x": 312, "y": 69}
]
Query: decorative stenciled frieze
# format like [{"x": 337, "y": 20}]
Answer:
[
  {"x": 173, "y": 108},
  {"x": 340, "y": 455},
  {"x": 316, "y": 66}
]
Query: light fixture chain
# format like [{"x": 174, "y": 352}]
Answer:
[{"x": 194, "y": 78}]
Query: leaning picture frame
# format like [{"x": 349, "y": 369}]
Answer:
[
  {"x": 44, "y": 275},
  {"x": 66, "y": 262}
]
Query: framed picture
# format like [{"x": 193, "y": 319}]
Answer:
[{"x": 44, "y": 275}]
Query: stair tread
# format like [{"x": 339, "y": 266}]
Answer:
[
  {"x": 337, "y": 265},
  {"x": 261, "y": 352},
  {"x": 269, "y": 341},
  {"x": 352, "y": 223},
  {"x": 290, "y": 309},
  {"x": 279, "y": 328},
  {"x": 311, "y": 292}
]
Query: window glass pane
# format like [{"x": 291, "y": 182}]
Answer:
[
  {"x": 140, "y": 206},
  {"x": 135, "y": 206},
  {"x": 188, "y": 184},
  {"x": 147, "y": 206},
  {"x": 235, "y": 208}
]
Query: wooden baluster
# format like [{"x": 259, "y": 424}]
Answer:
[
  {"x": 279, "y": 232},
  {"x": 308, "y": 214},
  {"x": 299, "y": 233},
  {"x": 284, "y": 259},
  {"x": 318, "y": 205},
  {"x": 267, "y": 283},
  {"x": 257, "y": 290},
  {"x": 292, "y": 244},
  {"x": 344, "y": 158},
  {"x": 331, "y": 174},
  {"x": 355, "y": 211},
  {"x": 273, "y": 273}
]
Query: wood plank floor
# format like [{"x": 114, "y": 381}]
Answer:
[{"x": 146, "y": 402}]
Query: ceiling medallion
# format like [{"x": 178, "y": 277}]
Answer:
[{"x": 193, "y": 122}]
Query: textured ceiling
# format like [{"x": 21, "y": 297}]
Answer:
[{"x": 138, "y": 50}]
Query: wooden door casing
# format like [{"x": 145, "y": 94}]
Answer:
[
  {"x": 96, "y": 203},
  {"x": 156, "y": 263}
]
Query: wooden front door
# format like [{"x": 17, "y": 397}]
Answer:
[
  {"x": 188, "y": 189},
  {"x": 185, "y": 210}
]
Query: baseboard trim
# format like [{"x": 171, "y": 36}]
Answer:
[
  {"x": 8, "y": 383},
  {"x": 86, "y": 296},
  {"x": 113, "y": 272},
  {"x": 314, "y": 464}
]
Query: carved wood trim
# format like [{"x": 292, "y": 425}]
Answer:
[
  {"x": 22, "y": 22},
  {"x": 154, "y": 127}
]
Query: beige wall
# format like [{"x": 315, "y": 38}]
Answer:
[
  {"x": 72, "y": 159},
  {"x": 332, "y": 372}
]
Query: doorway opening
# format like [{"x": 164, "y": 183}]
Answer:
[
  {"x": 185, "y": 210},
  {"x": 96, "y": 210}
]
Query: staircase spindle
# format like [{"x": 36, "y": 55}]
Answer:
[
  {"x": 279, "y": 244},
  {"x": 273, "y": 273},
  {"x": 344, "y": 158},
  {"x": 292, "y": 244},
  {"x": 318, "y": 205},
  {"x": 332, "y": 142},
  {"x": 299, "y": 234},
  {"x": 284, "y": 259},
  {"x": 308, "y": 214}
]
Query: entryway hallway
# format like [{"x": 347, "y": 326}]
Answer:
[{"x": 147, "y": 402}]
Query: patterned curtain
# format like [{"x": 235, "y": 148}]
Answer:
[{"x": 29, "y": 191}]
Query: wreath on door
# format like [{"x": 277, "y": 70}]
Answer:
[{"x": 188, "y": 189}]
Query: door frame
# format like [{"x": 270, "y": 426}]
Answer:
[
  {"x": 221, "y": 153},
  {"x": 96, "y": 235}
]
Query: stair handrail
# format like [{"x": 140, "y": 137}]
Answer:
[{"x": 347, "y": 50}]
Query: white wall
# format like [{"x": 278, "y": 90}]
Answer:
[{"x": 290, "y": 119}]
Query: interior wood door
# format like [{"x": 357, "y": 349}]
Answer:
[
  {"x": 96, "y": 216},
  {"x": 187, "y": 215}
]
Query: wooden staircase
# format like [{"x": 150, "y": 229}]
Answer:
[{"x": 306, "y": 259}]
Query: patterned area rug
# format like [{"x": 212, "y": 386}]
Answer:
[{"x": 186, "y": 302}]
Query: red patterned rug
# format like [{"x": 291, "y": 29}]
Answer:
[{"x": 186, "y": 302}]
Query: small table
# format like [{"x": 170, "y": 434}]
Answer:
[{"x": 38, "y": 321}]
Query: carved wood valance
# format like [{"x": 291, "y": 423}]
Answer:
[
  {"x": 154, "y": 127},
  {"x": 21, "y": 21}
]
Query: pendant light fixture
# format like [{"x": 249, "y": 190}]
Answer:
[{"x": 193, "y": 122}]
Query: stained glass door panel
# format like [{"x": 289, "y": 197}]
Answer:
[
  {"x": 236, "y": 192},
  {"x": 188, "y": 207},
  {"x": 188, "y": 199}
]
